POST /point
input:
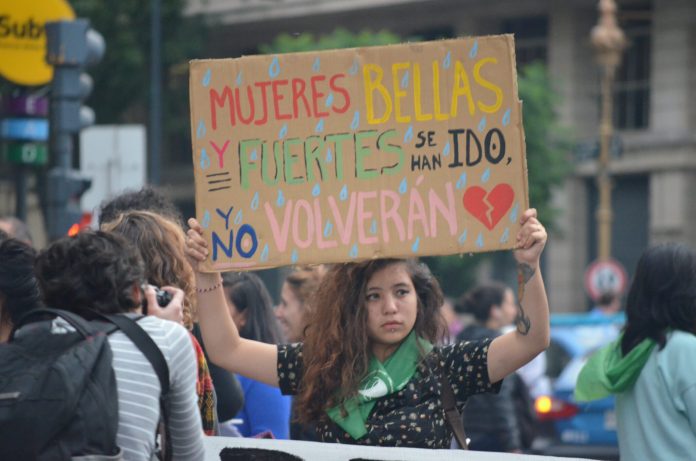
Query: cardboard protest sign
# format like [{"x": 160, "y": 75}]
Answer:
[{"x": 333, "y": 156}]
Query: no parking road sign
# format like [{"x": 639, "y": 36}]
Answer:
[{"x": 605, "y": 276}]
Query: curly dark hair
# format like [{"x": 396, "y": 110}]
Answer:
[
  {"x": 91, "y": 272},
  {"x": 337, "y": 347},
  {"x": 662, "y": 295},
  {"x": 146, "y": 199},
  {"x": 19, "y": 290}
]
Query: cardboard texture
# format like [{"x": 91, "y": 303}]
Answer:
[{"x": 334, "y": 156}]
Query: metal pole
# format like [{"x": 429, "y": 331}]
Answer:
[
  {"x": 604, "y": 211},
  {"x": 21, "y": 193},
  {"x": 155, "y": 133}
]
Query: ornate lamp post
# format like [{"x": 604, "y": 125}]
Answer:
[{"x": 609, "y": 42}]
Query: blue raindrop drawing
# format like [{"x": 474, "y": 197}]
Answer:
[
  {"x": 353, "y": 68},
  {"x": 200, "y": 131},
  {"x": 446, "y": 150},
  {"x": 447, "y": 61},
  {"x": 328, "y": 229},
  {"x": 514, "y": 212},
  {"x": 479, "y": 240},
  {"x": 316, "y": 190},
  {"x": 206, "y": 78},
  {"x": 293, "y": 257},
  {"x": 205, "y": 160},
  {"x": 404, "y": 80},
  {"x": 354, "y": 251},
  {"x": 415, "y": 245},
  {"x": 239, "y": 78},
  {"x": 206, "y": 219},
  {"x": 320, "y": 126},
  {"x": 506, "y": 235},
  {"x": 255, "y": 202},
  {"x": 482, "y": 124},
  {"x": 373, "y": 227},
  {"x": 329, "y": 100},
  {"x": 474, "y": 50},
  {"x": 283, "y": 131},
  {"x": 253, "y": 155},
  {"x": 356, "y": 121},
  {"x": 344, "y": 193},
  {"x": 409, "y": 134},
  {"x": 264, "y": 253},
  {"x": 462, "y": 238},
  {"x": 506, "y": 118},
  {"x": 461, "y": 182},
  {"x": 317, "y": 65},
  {"x": 486, "y": 175},
  {"x": 238, "y": 218},
  {"x": 403, "y": 186},
  {"x": 329, "y": 155},
  {"x": 280, "y": 201},
  {"x": 274, "y": 68}
]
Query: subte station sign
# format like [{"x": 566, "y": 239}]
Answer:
[{"x": 605, "y": 276}]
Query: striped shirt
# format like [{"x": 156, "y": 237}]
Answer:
[{"x": 139, "y": 391}]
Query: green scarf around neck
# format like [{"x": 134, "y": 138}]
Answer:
[
  {"x": 381, "y": 379},
  {"x": 609, "y": 372}
]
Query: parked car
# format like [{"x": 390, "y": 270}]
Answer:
[{"x": 570, "y": 428}]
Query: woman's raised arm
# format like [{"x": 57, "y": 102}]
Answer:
[
  {"x": 253, "y": 359},
  {"x": 509, "y": 352}
]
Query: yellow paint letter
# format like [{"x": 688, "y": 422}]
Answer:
[
  {"x": 398, "y": 93},
  {"x": 370, "y": 87},
  {"x": 461, "y": 87},
  {"x": 436, "y": 92},
  {"x": 491, "y": 86},
  {"x": 417, "y": 106}
]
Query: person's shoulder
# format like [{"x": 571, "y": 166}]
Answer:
[
  {"x": 681, "y": 341},
  {"x": 163, "y": 332}
]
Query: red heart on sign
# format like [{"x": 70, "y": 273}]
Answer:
[{"x": 489, "y": 207}]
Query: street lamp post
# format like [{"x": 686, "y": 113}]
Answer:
[{"x": 609, "y": 42}]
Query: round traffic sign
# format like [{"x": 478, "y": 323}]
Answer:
[{"x": 605, "y": 276}]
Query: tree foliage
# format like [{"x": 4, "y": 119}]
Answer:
[
  {"x": 122, "y": 78},
  {"x": 339, "y": 38}
]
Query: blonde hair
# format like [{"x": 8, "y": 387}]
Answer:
[{"x": 161, "y": 243}]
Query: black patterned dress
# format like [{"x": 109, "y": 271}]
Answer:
[{"x": 412, "y": 417}]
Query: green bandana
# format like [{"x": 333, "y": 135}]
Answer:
[
  {"x": 381, "y": 379},
  {"x": 607, "y": 372}
]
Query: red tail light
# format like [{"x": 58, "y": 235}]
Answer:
[{"x": 549, "y": 409}]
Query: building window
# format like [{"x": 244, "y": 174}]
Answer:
[
  {"x": 531, "y": 35},
  {"x": 632, "y": 85}
]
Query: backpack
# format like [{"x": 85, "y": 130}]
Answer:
[{"x": 58, "y": 395}]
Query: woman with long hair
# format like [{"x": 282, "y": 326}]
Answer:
[
  {"x": 295, "y": 307},
  {"x": 650, "y": 366},
  {"x": 160, "y": 242},
  {"x": 369, "y": 371},
  {"x": 265, "y": 408}
]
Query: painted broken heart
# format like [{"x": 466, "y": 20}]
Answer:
[{"x": 489, "y": 207}]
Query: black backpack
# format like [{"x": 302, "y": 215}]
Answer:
[{"x": 58, "y": 395}]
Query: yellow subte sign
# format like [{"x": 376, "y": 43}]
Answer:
[{"x": 23, "y": 38}]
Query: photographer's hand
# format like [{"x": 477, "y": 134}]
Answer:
[{"x": 173, "y": 311}]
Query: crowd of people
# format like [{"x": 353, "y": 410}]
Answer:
[{"x": 352, "y": 353}]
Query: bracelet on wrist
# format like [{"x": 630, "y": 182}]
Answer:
[{"x": 210, "y": 288}]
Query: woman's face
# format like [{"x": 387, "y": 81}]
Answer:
[
  {"x": 392, "y": 307},
  {"x": 290, "y": 315},
  {"x": 508, "y": 308}
]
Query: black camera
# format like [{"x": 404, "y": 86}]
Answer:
[{"x": 163, "y": 297}]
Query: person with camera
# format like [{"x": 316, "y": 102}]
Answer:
[
  {"x": 98, "y": 273},
  {"x": 160, "y": 242}
]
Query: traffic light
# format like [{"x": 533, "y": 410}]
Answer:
[{"x": 71, "y": 47}]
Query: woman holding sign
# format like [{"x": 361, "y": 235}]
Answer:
[{"x": 368, "y": 369}]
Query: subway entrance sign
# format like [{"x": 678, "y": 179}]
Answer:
[
  {"x": 25, "y": 153},
  {"x": 23, "y": 38}
]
